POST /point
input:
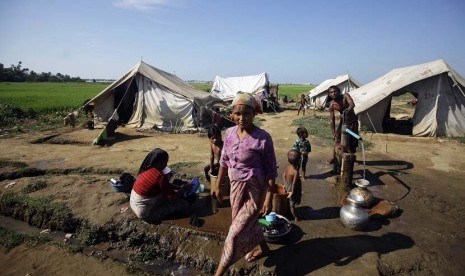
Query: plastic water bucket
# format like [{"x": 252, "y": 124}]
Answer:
[
  {"x": 281, "y": 202},
  {"x": 214, "y": 184},
  {"x": 120, "y": 187}
]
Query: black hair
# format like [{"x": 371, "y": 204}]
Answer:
[
  {"x": 300, "y": 131},
  {"x": 293, "y": 156},
  {"x": 335, "y": 88},
  {"x": 153, "y": 158}
]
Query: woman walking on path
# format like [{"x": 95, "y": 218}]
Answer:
[{"x": 249, "y": 159}]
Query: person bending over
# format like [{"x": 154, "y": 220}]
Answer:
[
  {"x": 153, "y": 197},
  {"x": 216, "y": 145}
]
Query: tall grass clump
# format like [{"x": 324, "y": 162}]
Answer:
[{"x": 10, "y": 239}]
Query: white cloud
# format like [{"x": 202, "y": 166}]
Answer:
[{"x": 143, "y": 5}]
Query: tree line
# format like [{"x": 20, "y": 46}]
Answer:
[{"x": 16, "y": 73}]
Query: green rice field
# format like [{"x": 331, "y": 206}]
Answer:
[
  {"x": 293, "y": 91},
  {"x": 49, "y": 97}
]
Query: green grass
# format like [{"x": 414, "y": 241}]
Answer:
[
  {"x": 32, "y": 187},
  {"x": 319, "y": 126},
  {"x": 25, "y": 105},
  {"x": 293, "y": 91},
  {"x": 39, "y": 212},
  {"x": 48, "y": 97},
  {"x": 52, "y": 97},
  {"x": 10, "y": 239},
  {"x": 202, "y": 86}
]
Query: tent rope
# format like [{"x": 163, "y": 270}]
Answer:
[
  {"x": 124, "y": 95},
  {"x": 374, "y": 128},
  {"x": 456, "y": 83},
  {"x": 371, "y": 122},
  {"x": 222, "y": 116}
]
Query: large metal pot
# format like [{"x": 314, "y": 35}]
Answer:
[
  {"x": 361, "y": 193},
  {"x": 353, "y": 215}
]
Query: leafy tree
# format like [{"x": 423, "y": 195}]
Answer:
[{"x": 16, "y": 73}]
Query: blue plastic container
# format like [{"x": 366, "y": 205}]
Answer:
[{"x": 121, "y": 187}]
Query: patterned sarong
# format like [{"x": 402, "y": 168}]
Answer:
[{"x": 245, "y": 233}]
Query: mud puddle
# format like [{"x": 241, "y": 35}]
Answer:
[{"x": 99, "y": 251}]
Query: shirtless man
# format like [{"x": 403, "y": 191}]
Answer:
[{"x": 345, "y": 105}]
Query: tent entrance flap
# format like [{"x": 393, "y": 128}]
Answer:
[
  {"x": 156, "y": 106},
  {"x": 124, "y": 100}
]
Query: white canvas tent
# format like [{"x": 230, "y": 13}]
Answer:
[
  {"x": 440, "y": 108},
  {"x": 226, "y": 88},
  {"x": 318, "y": 95},
  {"x": 147, "y": 97}
]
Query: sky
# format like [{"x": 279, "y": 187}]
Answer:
[{"x": 301, "y": 41}]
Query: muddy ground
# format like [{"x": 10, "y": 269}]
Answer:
[{"x": 422, "y": 176}]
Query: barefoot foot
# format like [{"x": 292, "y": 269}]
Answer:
[{"x": 254, "y": 255}]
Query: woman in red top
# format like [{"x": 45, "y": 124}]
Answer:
[{"x": 152, "y": 196}]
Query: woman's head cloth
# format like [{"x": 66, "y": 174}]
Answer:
[{"x": 247, "y": 99}]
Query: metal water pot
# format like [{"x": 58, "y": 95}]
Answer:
[
  {"x": 353, "y": 215},
  {"x": 361, "y": 193}
]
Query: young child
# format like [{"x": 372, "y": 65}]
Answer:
[
  {"x": 303, "y": 103},
  {"x": 292, "y": 182},
  {"x": 302, "y": 145},
  {"x": 216, "y": 145}
]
